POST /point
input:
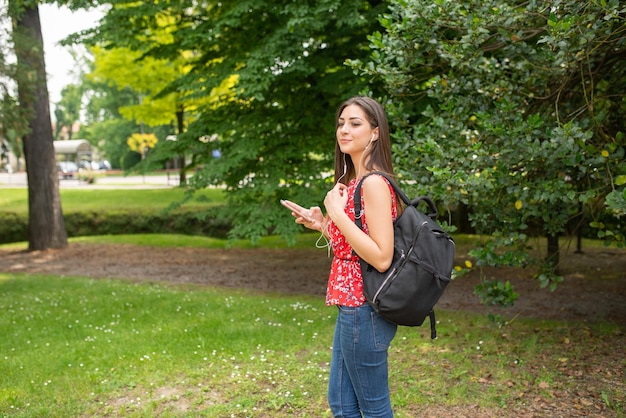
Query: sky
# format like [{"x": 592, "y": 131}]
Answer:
[{"x": 56, "y": 24}]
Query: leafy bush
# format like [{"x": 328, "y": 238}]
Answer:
[{"x": 13, "y": 227}]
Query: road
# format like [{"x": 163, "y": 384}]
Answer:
[{"x": 104, "y": 181}]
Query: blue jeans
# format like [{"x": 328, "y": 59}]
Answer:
[{"x": 359, "y": 378}]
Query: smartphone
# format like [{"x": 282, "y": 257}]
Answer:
[{"x": 297, "y": 209}]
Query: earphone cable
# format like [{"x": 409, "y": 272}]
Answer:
[{"x": 323, "y": 237}]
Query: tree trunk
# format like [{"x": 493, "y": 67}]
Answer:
[
  {"x": 552, "y": 258},
  {"x": 180, "y": 119},
  {"x": 46, "y": 227},
  {"x": 579, "y": 229}
]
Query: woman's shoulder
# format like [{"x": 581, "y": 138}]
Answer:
[
  {"x": 376, "y": 183},
  {"x": 376, "y": 178}
]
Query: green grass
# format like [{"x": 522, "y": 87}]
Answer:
[
  {"x": 306, "y": 240},
  {"x": 84, "y": 200},
  {"x": 73, "y": 346}
]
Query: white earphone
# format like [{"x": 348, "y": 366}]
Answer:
[
  {"x": 345, "y": 168},
  {"x": 368, "y": 144}
]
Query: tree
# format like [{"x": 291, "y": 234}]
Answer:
[
  {"x": 148, "y": 77},
  {"x": 125, "y": 69},
  {"x": 141, "y": 143},
  {"x": 13, "y": 119},
  {"x": 515, "y": 109},
  {"x": 275, "y": 127},
  {"x": 104, "y": 127},
  {"x": 67, "y": 111},
  {"x": 46, "y": 224}
]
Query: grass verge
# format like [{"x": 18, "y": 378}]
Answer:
[
  {"x": 107, "y": 200},
  {"x": 306, "y": 240}
]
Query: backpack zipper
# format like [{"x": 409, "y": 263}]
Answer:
[{"x": 403, "y": 258}]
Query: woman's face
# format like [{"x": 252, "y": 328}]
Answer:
[{"x": 354, "y": 132}]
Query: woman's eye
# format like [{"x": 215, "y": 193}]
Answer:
[{"x": 352, "y": 124}]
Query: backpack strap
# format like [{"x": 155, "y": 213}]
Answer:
[
  {"x": 433, "y": 328},
  {"x": 358, "y": 211}
]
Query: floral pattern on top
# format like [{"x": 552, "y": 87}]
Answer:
[{"x": 345, "y": 282}]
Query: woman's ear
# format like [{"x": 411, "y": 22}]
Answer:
[{"x": 374, "y": 134}]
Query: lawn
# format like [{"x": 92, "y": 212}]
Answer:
[
  {"x": 89, "y": 200},
  {"x": 74, "y": 346}
]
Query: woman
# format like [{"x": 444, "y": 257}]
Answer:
[{"x": 358, "y": 383}]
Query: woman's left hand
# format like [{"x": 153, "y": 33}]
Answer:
[
  {"x": 336, "y": 200},
  {"x": 314, "y": 221}
]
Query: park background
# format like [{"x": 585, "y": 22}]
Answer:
[{"x": 509, "y": 115}]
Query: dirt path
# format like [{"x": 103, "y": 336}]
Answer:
[{"x": 594, "y": 287}]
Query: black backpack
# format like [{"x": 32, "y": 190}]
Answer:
[{"x": 421, "y": 269}]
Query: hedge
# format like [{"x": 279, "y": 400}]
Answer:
[{"x": 14, "y": 227}]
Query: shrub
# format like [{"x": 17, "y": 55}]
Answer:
[{"x": 14, "y": 227}]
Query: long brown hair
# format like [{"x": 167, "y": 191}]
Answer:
[{"x": 378, "y": 156}]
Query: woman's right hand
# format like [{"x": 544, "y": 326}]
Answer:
[{"x": 336, "y": 200}]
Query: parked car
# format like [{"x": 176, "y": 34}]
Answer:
[
  {"x": 104, "y": 165},
  {"x": 95, "y": 165},
  {"x": 67, "y": 169}
]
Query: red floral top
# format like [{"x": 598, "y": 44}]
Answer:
[{"x": 345, "y": 282}]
